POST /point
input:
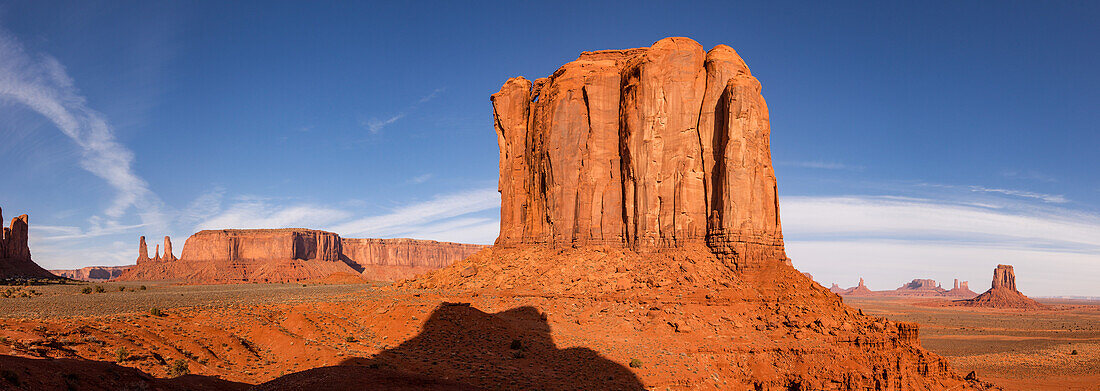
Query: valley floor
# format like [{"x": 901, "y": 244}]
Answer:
[{"x": 1017, "y": 350}]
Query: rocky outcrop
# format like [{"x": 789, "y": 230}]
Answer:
[
  {"x": 1003, "y": 293},
  {"x": 858, "y": 290},
  {"x": 643, "y": 177},
  {"x": 15, "y": 251},
  {"x": 646, "y": 148},
  {"x": 836, "y": 289},
  {"x": 285, "y": 255},
  {"x": 92, "y": 273}
]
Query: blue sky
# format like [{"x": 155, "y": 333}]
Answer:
[{"x": 911, "y": 140}]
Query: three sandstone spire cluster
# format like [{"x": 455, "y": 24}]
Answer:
[{"x": 647, "y": 147}]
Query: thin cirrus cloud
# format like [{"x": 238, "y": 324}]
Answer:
[
  {"x": 891, "y": 240},
  {"x": 449, "y": 217},
  {"x": 375, "y": 125},
  {"x": 41, "y": 84}
]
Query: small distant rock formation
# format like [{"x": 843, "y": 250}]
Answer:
[
  {"x": 1003, "y": 293},
  {"x": 961, "y": 290},
  {"x": 836, "y": 289},
  {"x": 919, "y": 287},
  {"x": 858, "y": 290},
  {"x": 92, "y": 273},
  {"x": 291, "y": 255},
  {"x": 15, "y": 251}
]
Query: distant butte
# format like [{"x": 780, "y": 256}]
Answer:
[
  {"x": 291, "y": 255},
  {"x": 1003, "y": 293}
]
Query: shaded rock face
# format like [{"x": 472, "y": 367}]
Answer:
[
  {"x": 92, "y": 273},
  {"x": 395, "y": 259},
  {"x": 1003, "y": 293},
  {"x": 15, "y": 251},
  {"x": 649, "y": 147},
  {"x": 285, "y": 255}
]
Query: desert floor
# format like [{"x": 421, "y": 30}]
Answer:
[
  {"x": 252, "y": 333},
  {"x": 1018, "y": 350}
]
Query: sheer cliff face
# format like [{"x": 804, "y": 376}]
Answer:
[
  {"x": 15, "y": 251},
  {"x": 261, "y": 244},
  {"x": 428, "y": 254},
  {"x": 649, "y": 147}
]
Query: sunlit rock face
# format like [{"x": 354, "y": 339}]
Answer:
[{"x": 648, "y": 148}]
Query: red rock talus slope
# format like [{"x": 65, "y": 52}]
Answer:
[
  {"x": 92, "y": 273},
  {"x": 15, "y": 252},
  {"x": 396, "y": 259},
  {"x": 1003, "y": 293},
  {"x": 644, "y": 177},
  {"x": 285, "y": 255}
]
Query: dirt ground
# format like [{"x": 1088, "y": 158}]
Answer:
[{"x": 1017, "y": 350}]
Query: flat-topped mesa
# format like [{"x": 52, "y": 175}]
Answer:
[
  {"x": 647, "y": 148},
  {"x": 294, "y": 254},
  {"x": 15, "y": 251}
]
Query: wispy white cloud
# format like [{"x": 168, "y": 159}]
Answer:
[
  {"x": 413, "y": 217},
  {"x": 260, "y": 213},
  {"x": 204, "y": 206},
  {"x": 1053, "y": 198},
  {"x": 375, "y": 125},
  {"x": 420, "y": 179},
  {"x": 890, "y": 240},
  {"x": 41, "y": 84},
  {"x": 450, "y": 217}
]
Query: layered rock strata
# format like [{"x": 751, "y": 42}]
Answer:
[
  {"x": 285, "y": 255},
  {"x": 646, "y": 148},
  {"x": 15, "y": 251},
  {"x": 1003, "y": 293}
]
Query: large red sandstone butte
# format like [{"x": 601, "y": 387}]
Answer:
[
  {"x": 15, "y": 251},
  {"x": 290, "y": 255},
  {"x": 1003, "y": 293},
  {"x": 645, "y": 176}
]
